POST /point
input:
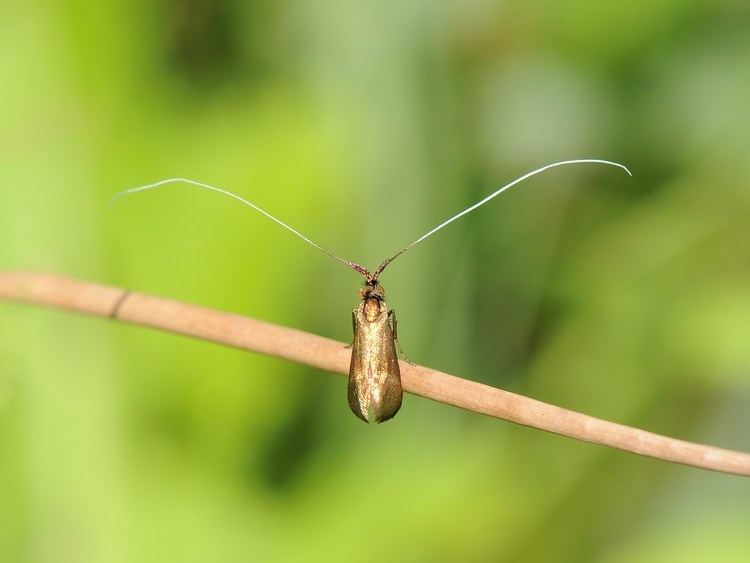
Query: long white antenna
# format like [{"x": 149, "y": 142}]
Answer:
[
  {"x": 488, "y": 198},
  {"x": 294, "y": 231}
]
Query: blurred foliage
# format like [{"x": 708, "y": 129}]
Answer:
[{"x": 364, "y": 125}]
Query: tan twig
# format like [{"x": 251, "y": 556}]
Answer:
[{"x": 329, "y": 355}]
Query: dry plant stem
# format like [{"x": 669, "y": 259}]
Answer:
[{"x": 330, "y": 355}]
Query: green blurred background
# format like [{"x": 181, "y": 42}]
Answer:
[{"x": 364, "y": 125}]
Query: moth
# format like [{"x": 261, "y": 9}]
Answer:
[{"x": 374, "y": 387}]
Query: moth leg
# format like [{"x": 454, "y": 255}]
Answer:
[
  {"x": 394, "y": 330},
  {"x": 354, "y": 328}
]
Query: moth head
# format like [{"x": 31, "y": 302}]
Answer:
[{"x": 371, "y": 290}]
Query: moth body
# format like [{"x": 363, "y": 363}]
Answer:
[{"x": 374, "y": 387}]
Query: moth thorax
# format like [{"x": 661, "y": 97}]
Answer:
[{"x": 372, "y": 308}]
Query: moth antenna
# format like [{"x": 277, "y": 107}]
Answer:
[
  {"x": 292, "y": 230},
  {"x": 494, "y": 194}
]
